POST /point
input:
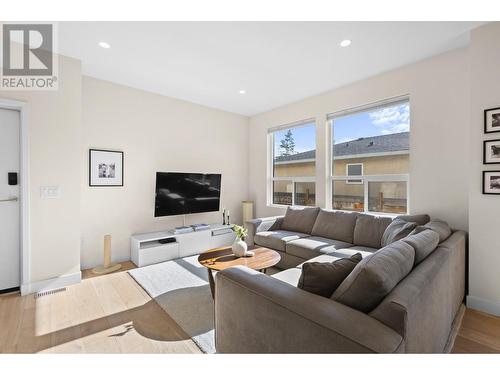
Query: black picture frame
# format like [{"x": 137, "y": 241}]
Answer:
[
  {"x": 486, "y": 131},
  {"x": 484, "y": 182},
  {"x": 122, "y": 159},
  {"x": 484, "y": 151}
]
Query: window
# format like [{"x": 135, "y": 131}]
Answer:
[
  {"x": 355, "y": 169},
  {"x": 371, "y": 144},
  {"x": 293, "y": 165}
]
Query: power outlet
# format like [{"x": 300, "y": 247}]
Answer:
[{"x": 50, "y": 191}]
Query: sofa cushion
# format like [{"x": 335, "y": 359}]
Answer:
[
  {"x": 290, "y": 276},
  {"x": 300, "y": 219},
  {"x": 276, "y": 239},
  {"x": 440, "y": 227},
  {"x": 347, "y": 252},
  {"x": 336, "y": 225},
  {"x": 341, "y": 253},
  {"x": 323, "y": 278},
  {"x": 310, "y": 247},
  {"x": 375, "y": 276},
  {"x": 423, "y": 241},
  {"x": 369, "y": 229},
  {"x": 397, "y": 230},
  {"x": 419, "y": 219}
]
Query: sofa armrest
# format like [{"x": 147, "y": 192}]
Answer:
[
  {"x": 255, "y": 313},
  {"x": 422, "y": 307},
  {"x": 262, "y": 225}
]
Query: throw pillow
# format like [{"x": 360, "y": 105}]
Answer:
[
  {"x": 397, "y": 230},
  {"x": 323, "y": 278},
  {"x": 424, "y": 241},
  {"x": 440, "y": 227},
  {"x": 419, "y": 219}
]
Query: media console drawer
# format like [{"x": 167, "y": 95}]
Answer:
[
  {"x": 194, "y": 243},
  {"x": 156, "y": 253},
  {"x": 146, "y": 248}
]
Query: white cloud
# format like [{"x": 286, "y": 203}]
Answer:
[{"x": 389, "y": 120}]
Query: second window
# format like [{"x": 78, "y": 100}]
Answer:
[{"x": 370, "y": 159}]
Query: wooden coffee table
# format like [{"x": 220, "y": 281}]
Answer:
[{"x": 221, "y": 258}]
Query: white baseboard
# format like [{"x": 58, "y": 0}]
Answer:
[
  {"x": 57, "y": 282},
  {"x": 487, "y": 306}
]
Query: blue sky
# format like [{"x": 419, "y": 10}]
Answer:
[{"x": 387, "y": 120}]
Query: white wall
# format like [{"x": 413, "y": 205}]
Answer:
[
  {"x": 54, "y": 120},
  {"x": 156, "y": 133},
  {"x": 439, "y": 94},
  {"x": 484, "y": 218}
]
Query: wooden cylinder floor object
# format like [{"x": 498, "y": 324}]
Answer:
[
  {"x": 247, "y": 212},
  {"x": 108, "y": 267}
]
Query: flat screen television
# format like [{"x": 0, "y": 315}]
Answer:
[{"x": 186, "y": 193}]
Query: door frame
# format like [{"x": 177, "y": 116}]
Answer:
[{"x": 24, "y": 222}]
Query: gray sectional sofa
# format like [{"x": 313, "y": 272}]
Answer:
[{"x": 405, "y": 296}]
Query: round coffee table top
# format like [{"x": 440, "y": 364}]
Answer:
[{"x": 221, "y": 258}]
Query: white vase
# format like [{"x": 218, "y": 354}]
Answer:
[{"x": 239, "y": 247}]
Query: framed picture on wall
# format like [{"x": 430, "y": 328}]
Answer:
[
  {"x": 491, "y": 182},
  {"x": 491, "y": 152},
  {"x": 492, "y": 120},
  {"x": 105, "y": 168}
]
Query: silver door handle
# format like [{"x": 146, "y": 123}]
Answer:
[{"x": 15, "y": 199}]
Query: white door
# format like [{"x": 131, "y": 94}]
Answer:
[{"x": 9, "y": 199}]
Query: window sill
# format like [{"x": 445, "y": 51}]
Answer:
[
  {"x": 372, "y": 213},
  {"x": 277, "y": 205},
  {"x": 383, "y": 214},
  {"x": 273, "y": 205}
]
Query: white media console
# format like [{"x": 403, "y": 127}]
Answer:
[{"x": 146, "y": 248}]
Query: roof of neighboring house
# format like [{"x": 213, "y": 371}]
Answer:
[{"x": 369, "y": 145}]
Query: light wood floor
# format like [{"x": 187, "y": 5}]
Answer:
[
  {"x": 113, "y": 314},
  {"x": 479, "y": 333},
  {"x": 102, "y": 314}
]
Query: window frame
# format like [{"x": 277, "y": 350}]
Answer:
[
  {"x": 270, "y": 167},
  {"x": 376, "y": 178},
  {"x": 355, "y": 180},
  {"x": 365, "y": 179}
]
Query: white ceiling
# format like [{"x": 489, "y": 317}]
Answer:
[{"x": 276, "y": 63}]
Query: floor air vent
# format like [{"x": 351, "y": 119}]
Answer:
[{"x": 49, "y": 292}]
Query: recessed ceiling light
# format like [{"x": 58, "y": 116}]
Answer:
[
  {"x": 242, "y": 92},
  {"x": 345, "y": 43},
  {"x": 104, "y": 45}
]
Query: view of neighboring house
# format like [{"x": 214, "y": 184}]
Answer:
[{"x": 364, "y": 157}]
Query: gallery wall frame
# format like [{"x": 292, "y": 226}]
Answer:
[
  {"x": 491, "y": 151},
  {"x": 492, "y": 120},
  {"x": 106, "y": 168},
  {"x": 491, "y": 182}
]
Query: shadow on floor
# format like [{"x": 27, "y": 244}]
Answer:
[{"x": 148, "y": 320}]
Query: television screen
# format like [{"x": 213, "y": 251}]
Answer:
[{"x": 186, "y": 193}]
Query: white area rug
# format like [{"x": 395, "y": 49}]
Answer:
[{"x": 181, "y": 288}]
